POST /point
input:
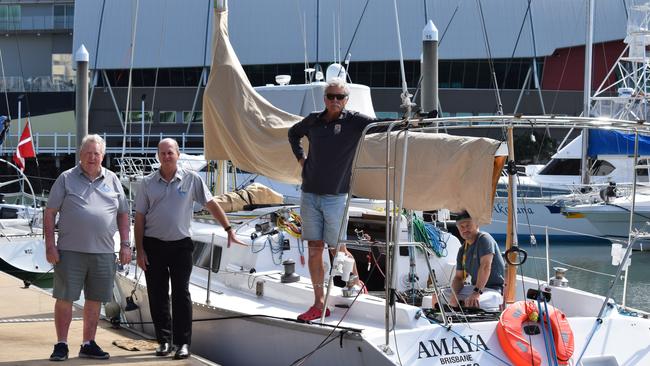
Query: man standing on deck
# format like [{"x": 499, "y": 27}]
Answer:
[
  {"x": 480, "y": 267},
  {"x": 333, "y": 136},
  {"x": 91, "y": 206},
  {"x": 163, "y": 213}
]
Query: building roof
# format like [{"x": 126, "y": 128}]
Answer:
[{"x": 173, "y": 33}]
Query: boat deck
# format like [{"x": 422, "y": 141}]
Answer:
[{"x": 27, "y": 332}]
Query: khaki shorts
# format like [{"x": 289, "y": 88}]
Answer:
[{"x": 92, "y": 272}]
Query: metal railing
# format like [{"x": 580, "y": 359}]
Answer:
[
  {"x": 37, "y": 22},
  {"x": 65, "y": 143},
  {"x": 35, "y": 84}
]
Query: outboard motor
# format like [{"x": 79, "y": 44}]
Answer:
[{"x": 609, "y": 192}]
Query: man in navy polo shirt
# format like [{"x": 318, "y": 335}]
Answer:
[{"x": 333, "y": 136}]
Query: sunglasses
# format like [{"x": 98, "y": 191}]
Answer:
[{"x": 336, "y": 96}]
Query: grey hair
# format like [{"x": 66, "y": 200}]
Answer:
[
  {"x": 171, "y": 141},
  {"x": 94, "y": 138},
  {"x": 338, "y": 83}
]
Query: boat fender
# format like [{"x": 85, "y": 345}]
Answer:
[{"x": 516, "y": 345}]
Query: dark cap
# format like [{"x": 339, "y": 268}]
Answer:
[{"x": 463, "y": 215}]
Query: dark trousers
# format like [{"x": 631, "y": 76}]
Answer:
[{"x": 170, "y": 260}]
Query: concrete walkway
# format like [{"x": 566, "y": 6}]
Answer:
[{"x": 27, "y": 334}]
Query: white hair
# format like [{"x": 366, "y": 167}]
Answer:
[
  {"x": 94, "y": 138},
  {"x": 338, "y": 83}
]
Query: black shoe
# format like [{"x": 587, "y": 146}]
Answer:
[
  {"x": 182, "y": 352},
  {"x": 60, "y": 352},
  {"x": 92, "y": 350},
  {"x": 163, "y": 349}
]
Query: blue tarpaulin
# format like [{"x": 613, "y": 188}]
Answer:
[{"x": 605, "y": 142}]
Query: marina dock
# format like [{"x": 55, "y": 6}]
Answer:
[{"x": 27, "y": 333}]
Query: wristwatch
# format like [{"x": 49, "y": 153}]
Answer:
[
  {"x": 476, "y": 289},
  {"x": 227, "y": 228},
  {"x": 125, "y": 243}
]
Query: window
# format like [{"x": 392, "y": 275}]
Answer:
[
  {"x": 136, "y": 116},
  {"x": 64, "y": 16},
  {"x": 198, "y": 116},
  {"x": 62, "y": 73},
  {"x": 10, "y": 17},
  {"x": 201, "y": 256},
  {"x": 602, "y": 168},
  {"x": 562, "y": 167},
  {"x": 167, "y": 117}
]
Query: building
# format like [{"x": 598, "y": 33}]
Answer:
[{"x": 157, "y": 52}]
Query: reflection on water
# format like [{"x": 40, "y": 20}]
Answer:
[{"x": 593, "y": 258}]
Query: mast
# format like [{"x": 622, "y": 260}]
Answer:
[
  {"x": 511, "y": 233},
  {"x": 584, "y": 176}
]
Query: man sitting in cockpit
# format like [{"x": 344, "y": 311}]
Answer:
[{"x": 479, "y": 278}]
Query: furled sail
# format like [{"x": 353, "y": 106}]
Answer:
[
  {"x": 443, "y": 171},
  {"x": 239, "y": 125}
]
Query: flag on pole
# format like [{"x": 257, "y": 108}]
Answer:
[
  {"x": 25, "y": 147},
  {"x": 5, "y": 122}
]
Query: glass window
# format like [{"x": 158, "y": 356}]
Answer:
[
  {"x": 602, "y": 168},
  {"x": 167, "y": 117},
  {"x": 456, "y": 74},
  {"x": 62, "y": 73},
  {"x": 136, "y": 116},
  {"x": 484, "y": 75},
  {"x": 201, "y": 256},
  {"x": 471, "y": 74},
  {"x": 562, "y": 167},
  {"x": 198, "y": 116}
]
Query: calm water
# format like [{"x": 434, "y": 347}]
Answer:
[
  {"x": 591, "y": 257},
  {"x": 594, "y": 258}
]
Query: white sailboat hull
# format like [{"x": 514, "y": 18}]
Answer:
[
  {"x": 539, "y": 216},
  {"x": 239, "y": 328}
]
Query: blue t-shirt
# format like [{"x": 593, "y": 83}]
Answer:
[{"x": 483, "y": 245}]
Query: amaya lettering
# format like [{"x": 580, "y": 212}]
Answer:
[{"x": 460, "y": 346}]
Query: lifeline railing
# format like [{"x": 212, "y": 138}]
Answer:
[{"x": 426, "y": 125}]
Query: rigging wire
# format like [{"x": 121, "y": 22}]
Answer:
[
  {"x": 203, "y": 69},
  {"x": 490, "y": 60},
  {"x": 96, "y": 74},
  {"x": 127, "y": 117},
  {"x": 155, "y": 82},
  {"x": 4, "y": 87},
  {"x": 356, "y": 29}
]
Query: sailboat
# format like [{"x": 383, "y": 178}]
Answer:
[
  {"x": 246, "y": 298},
  {"x": 22, "y": 245}
]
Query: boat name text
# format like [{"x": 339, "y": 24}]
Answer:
[
  {"x": 503, "y": 209},
  {"x": 453, "y": 350}
]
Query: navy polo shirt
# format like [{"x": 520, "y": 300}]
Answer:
[{"x": 332, "y": 145}]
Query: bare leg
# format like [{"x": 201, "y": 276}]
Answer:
[
  {"x": 317, "y": 271},
  {"x": 62, "y": 319},
  {"x": 91, "y": 318}
]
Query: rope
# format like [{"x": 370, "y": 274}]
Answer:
[{"x": 425, "y": 232}]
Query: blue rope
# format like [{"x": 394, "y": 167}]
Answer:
[
  {"x": 550, "y": 333},
  {"x": 547, "y": 333}
]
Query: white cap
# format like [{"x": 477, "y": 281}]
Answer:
[
  {"x": 430, "y": 32},
  {"x": 82, "y": 54}
]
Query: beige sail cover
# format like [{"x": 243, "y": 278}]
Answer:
[
  {"x": 442, "y": 171},
  {"x": 239, "y": 125},
  {"x": 253, "y": 194}
]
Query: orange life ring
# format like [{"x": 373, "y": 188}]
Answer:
[{"x": 515, "y": 344}]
